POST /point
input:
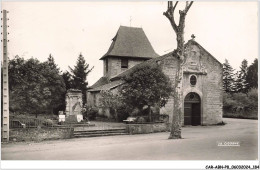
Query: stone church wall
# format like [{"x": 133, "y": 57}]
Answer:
[
  {"x": 93, "y": 99},
  {"x": 212, "y": 90},
  {"x": 94, "y": 102},
  {"x": 168, "y": 65},
  {"x": 114, "y": 65},
  {"x": 208, "y": 86}
]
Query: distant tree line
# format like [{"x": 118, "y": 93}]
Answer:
[
  {"x": 241, "y": 81},
  {"x": 40, "y": 87},
  {"x": 241, "y": 90}
]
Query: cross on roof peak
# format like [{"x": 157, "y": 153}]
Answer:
[{"x": 193, "y": 36}]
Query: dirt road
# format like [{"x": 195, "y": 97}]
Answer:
[{"x": 198, "y": 143}]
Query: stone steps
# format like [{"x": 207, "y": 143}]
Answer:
[{"x": 96, "y": 133}]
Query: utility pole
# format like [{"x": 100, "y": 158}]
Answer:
[{"x": 5, "y": 87}]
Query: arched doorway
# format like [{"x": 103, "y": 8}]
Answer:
[{"x": 192, "y": 110}]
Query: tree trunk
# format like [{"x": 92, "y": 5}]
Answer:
[
  {"x": 176, "y": 116},
  {"x": 179, "y": 53}
]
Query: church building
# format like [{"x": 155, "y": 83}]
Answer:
[{"x": 201, "y": 89}]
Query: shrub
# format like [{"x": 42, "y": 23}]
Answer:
[
  {"x": 122, "y": 113},
  {"x": 142, "y": 119},
  {"x": 241, "y": 105},
  {"x": 228, "y": 101},
  {"x": 31, "y": 123},
  {"x": 253, "y": 98},
  {"x": 92, "y": 113},
  {"x": 163, "y": 118},
  {"x": 89, "y": 113},
  {"x": 48, "y": 122}
]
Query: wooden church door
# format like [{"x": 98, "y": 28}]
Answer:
[{"x": 192, "y": 110}]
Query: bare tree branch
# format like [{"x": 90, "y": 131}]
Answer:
[
  {"x": 188, "y": 6},
  {"x": 187, "y": 3},
  {"x": 169, "y": 4},
  {"x": 175, "y": 5},
  {"x": 179, "y": 29},
  {"x": 170, "y": 14}
]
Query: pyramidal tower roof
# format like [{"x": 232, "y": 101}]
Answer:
[{"x": 131, "y": 42}]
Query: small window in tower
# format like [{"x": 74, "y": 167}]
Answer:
[
  {"x": 193, "y": 80},
  {"x": 124, "y": 63}
]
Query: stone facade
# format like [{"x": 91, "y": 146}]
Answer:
[
  {"x": 114, "y": 65},
  {"x": 74, "y": 105},
  {"x": 208, "y": 73},
  {"x": 93, "y": 99},
  {"x": 73, "y": 102}
]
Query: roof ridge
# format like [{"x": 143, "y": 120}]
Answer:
[{"x": 130, "y": 27}]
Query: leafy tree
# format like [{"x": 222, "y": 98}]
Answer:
[
  {"x": 111, "y": 101},
  {"x": 241, "y": 104},
  {"x": 228, "y": 77},
  {"x": 68, "y": 85},
  {"x": 241, "y": 84},
  {"x": 148, "y": 86},
  {"x": 253, "y": 98},
  {"x": 26, "y": 91},
  {"x": 51, "y": 63},
  {"x": 34, "y": 86},
  {"x": 79, "y": 76},
  {"x": 67, "y": 80},
  {"x": 252, "y": 75},
  {"x": 55, "y": 83}
]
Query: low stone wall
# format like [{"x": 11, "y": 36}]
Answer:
[
  {"x": 146, "y": 128},
  {"x": 40, "y": 134}
]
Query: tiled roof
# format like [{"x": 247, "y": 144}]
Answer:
[
  {"x": 131, "y": 42},
  {"x": 100, "y": 82},
  {"x": 108, "y": 86}
]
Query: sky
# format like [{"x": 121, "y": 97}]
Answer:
[{"x": 228, "y": 30}]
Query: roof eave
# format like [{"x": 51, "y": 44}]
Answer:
[{"x": 136, "y": 57}]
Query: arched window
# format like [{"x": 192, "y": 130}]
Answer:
[
  {"x": 192, "y": 98},
  {"x": 193, "y": 80}
]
